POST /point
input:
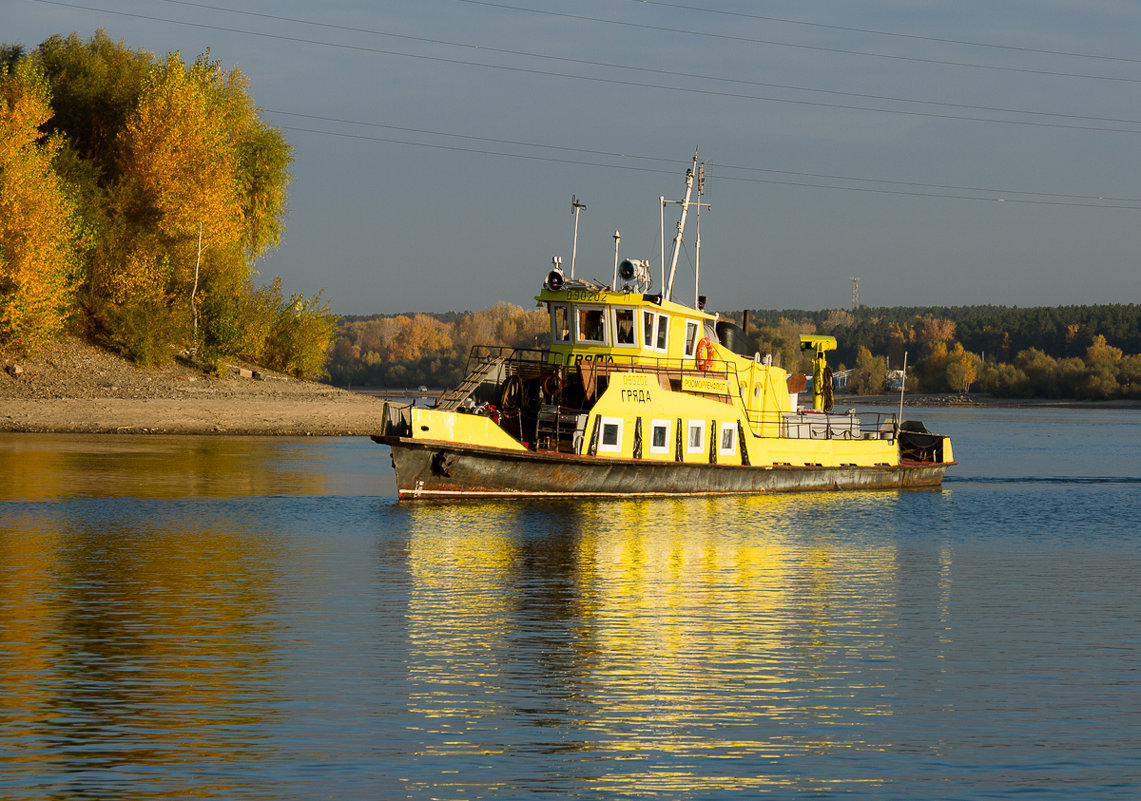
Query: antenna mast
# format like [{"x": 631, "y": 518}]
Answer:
[
  {"x": 680, "y": 227},
  {"x": 855, "y": 293},
  {"x": 575, "y": 206},
  {"x": 697, "y": 239}
]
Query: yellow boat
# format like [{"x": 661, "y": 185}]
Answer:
[{"x": 641, "y": 395}]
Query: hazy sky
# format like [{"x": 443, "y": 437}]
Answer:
[{"x": 947, "y": 153}]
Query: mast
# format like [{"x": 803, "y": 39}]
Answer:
[
  {"x": 617, "y": 239},
  {"x": 576, "y": 205},
  {"x": 680, "y": 227},
  {"x": 697, "y": 238}
]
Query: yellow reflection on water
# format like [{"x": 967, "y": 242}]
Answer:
[
  {"x": 45, "y": 466},
  {"x": 695, "y": 628},
  {"x": 130, "y": 648}
]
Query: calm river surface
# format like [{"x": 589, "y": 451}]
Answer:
[{"x": 256, "y": 618}]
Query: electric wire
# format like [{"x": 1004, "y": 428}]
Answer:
[
  {"x": 897, "y": 34},
  {"x": 659, "y": 71},
  {"x": 616, "y": 81},
  {"x": 1000, "y": 196},
  {"x": 818, "y": 48},
  {"x": 880, "y": 186}
]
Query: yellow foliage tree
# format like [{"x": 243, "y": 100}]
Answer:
[
  {"x": 962, "y": 368},
  {"x": 38, "y": 228},
  {"x": 177, "y": 147},
  {"x": 178, "y": 154}
]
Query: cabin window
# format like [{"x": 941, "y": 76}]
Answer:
[
  {"x": 660, "y": 436},
  {"x": 691, "y": 329},
  {"x": 624, "y": 327},
  {"x": 655, "y": 330},
  {"x": 663, "y": 331},
  {"x": 611, "y": 435},
  {"x": 695, "y": 442},
  {"x": 728, "y": 444},
  {"x": 591, "y": 324},
  {"x": 560, "y": 317}
]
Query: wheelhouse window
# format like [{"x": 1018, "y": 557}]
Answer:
[
  {"x": 663, "y": 332},
  {"x": 610, "y": 438},
  {"x": 625, "y": 327},
  {"x": 660, "y": 436},
  {"x": 691, "y": 329},
  {"x": 655, "y": 330},
  {"x": 695, "y": 441},
  {"x": 560, "y": 320},
  {"x": 591, "y": 324}
]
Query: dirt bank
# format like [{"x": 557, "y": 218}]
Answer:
[{"x": 74, "y": 387}]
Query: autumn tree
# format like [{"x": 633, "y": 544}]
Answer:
[
  {"x": 869, "y": 374},
  {"x": 962, "y": 368},
  {"x": 933, "y": 331},
  {"x": 38, "y": 227}
]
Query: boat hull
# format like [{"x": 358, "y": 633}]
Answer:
[{"x": 428, "y": 468}]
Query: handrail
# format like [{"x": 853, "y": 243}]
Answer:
[{"x": 803, "y": 424}]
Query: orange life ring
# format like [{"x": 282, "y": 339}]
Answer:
[
  {"x": 553, "y": 384},
  {"x": 705, "y": 353}
]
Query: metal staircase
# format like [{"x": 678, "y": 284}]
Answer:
[{"x": 451, "y": 400}]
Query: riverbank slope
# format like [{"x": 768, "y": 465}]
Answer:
[{"x": 73, "y": 387}]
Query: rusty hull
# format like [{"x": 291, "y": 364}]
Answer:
[{"x": 429, "y": 469}]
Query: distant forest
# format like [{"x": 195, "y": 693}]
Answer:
[{"x": 1082, "y": 352}]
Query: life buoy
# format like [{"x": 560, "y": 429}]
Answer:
[
  {"x": 705, "y": 354},
  {"x": 553, "y": 384}
]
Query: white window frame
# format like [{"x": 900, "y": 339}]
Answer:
[
  {"x": 603, "y": 422},
  {"x": 660, "y": 334},
  {"x": 648, "y": 331},
  {"x": 654, "y": 329},
  {"x": 691, "y": 342},
  {"x": 555, "y": 333},
  {"x": 732, "y": 449},
  {"x": 691, "y": 426},
  {"x": 655, "y": 424},
  {"x": 578, "y": 334},
  {"x": 634, "y": 321}
]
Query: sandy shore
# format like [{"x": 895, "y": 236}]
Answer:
[{"x": 74, "y": 388}]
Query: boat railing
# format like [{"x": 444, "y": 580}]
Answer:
[
  {"x": 812, "y": 424},
  {"x": 495, "y": 363}
]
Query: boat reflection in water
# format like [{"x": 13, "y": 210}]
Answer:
[{"x": 663, "y": 651}]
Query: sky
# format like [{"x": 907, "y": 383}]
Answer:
[{"x": 945, "y": 154}]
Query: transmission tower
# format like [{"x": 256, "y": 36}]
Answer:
[{"x": 855, "y": 293}]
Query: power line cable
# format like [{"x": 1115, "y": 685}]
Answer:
[
  {"x": 995, "y": 195},
  {"x": 609, "y": 81},
  {"x": 720, "y": 167},
  {"x": 896, "y": 34},
  {"x": 655, "y": 70},
  {"x": 819, "y": 48}
]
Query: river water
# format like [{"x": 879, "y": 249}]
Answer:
[{"x": 258, "y": 618}]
